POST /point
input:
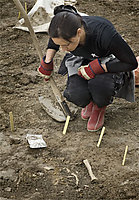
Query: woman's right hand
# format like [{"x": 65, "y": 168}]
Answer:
[{"x": 46, "y": 68}]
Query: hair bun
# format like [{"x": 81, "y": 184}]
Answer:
[
  {"x": 63, "y": 8},
  {"x": 58, "y": 9}
]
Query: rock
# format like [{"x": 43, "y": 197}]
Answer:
[
  {"x": 9, "y": 174},
  {"x": 9, "y": 90},
  {"x": 14, "y": 140},
  {"x": 25, "y": 81},
  {"x": 17, "y": 85},
  {"x": 48, "y": 167},
  {"x": 130, "y": 194},
  {"x": 8, "y": 189},
  {"x": 36, "y": 195}
]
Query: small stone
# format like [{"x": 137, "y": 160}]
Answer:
[
  {"x": 130, "y": 194},
  {"x": 9, "y": 90},
  {"x": 14, "y": 140},
  {"x": 8, "y": 189},
  {"x": 9, "y": 174},
  {"x": 17, "y": 85},
  {"x": 49, "y": 168},
  {"x": 125, "y": 182},
  {"x": 25, "y": 81}
]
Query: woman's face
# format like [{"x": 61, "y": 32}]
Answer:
[{"x": 70, "y": 45}]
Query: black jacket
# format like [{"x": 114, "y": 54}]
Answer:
[{"x": 102, "y": 39}]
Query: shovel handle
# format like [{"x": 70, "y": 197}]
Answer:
[{"x": 54, "y": 87}]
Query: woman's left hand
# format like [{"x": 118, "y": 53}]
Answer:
[{"x": 89, "y": 71}]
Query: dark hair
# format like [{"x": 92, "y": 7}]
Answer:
[{"x": 65, "y": 23}]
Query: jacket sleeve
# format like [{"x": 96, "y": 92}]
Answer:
[
  {"x": 125, "y": 58},
  {"x": 52, "y": 45}
]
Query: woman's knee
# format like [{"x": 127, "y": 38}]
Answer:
[
  {"x": 77, "y": 91},
  {"x": 78, "y": 99},
  {"x": 102, "y": 89}
]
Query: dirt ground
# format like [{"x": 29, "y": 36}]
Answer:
[{"x": 51, "y": 173}]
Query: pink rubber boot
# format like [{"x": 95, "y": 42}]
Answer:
[
  {"x": 96, "y": 119},
  {"x": 86, "y": 112},
  {"x": 137, "y": 73}
]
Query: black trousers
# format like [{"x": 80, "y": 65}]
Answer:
[{"x": 100, "y": 89}]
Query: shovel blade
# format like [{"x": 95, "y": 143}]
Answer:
[
  {"x": 51, "y": 109},
  {"x": 54, "y": 111}
]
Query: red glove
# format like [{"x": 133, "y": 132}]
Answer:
[
  {"x": 88, "y": 72},
  {"x": 46, "y": 69}
]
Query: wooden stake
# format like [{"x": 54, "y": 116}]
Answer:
[
  {"x": 126, "y": 149},
  {"x": 66, "y": 124},
  {"x": 19, "y": 14},
  {"x": 26, "y": 7},
  {"x": 101, "y": 135},
  {"x": 88, "y": 166},
  {"x": 11, "y": 121}
]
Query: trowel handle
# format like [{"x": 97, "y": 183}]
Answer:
[{"x": 54, "y": 87}]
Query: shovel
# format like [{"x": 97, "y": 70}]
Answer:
[{"x": 47, "y": 104}]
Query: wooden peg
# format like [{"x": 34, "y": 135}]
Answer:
[
  {"x": 66, "y": 125},
  {"x": 126, "y": 149},
  {"x": 19, "y": 15},
  {"x": 101, "y": 135},
  {"x": 26, "y": 7},
  {"x": 11, "y": 121}
]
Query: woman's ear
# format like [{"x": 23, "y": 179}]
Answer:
[{"x": 79, "y": 32}]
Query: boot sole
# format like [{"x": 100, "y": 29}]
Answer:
[
  {"x": 95, "y": 130},
  {"x": 84, "y": 119}
]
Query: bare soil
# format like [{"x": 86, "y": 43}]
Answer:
[{"x": 49, "y": 173}]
